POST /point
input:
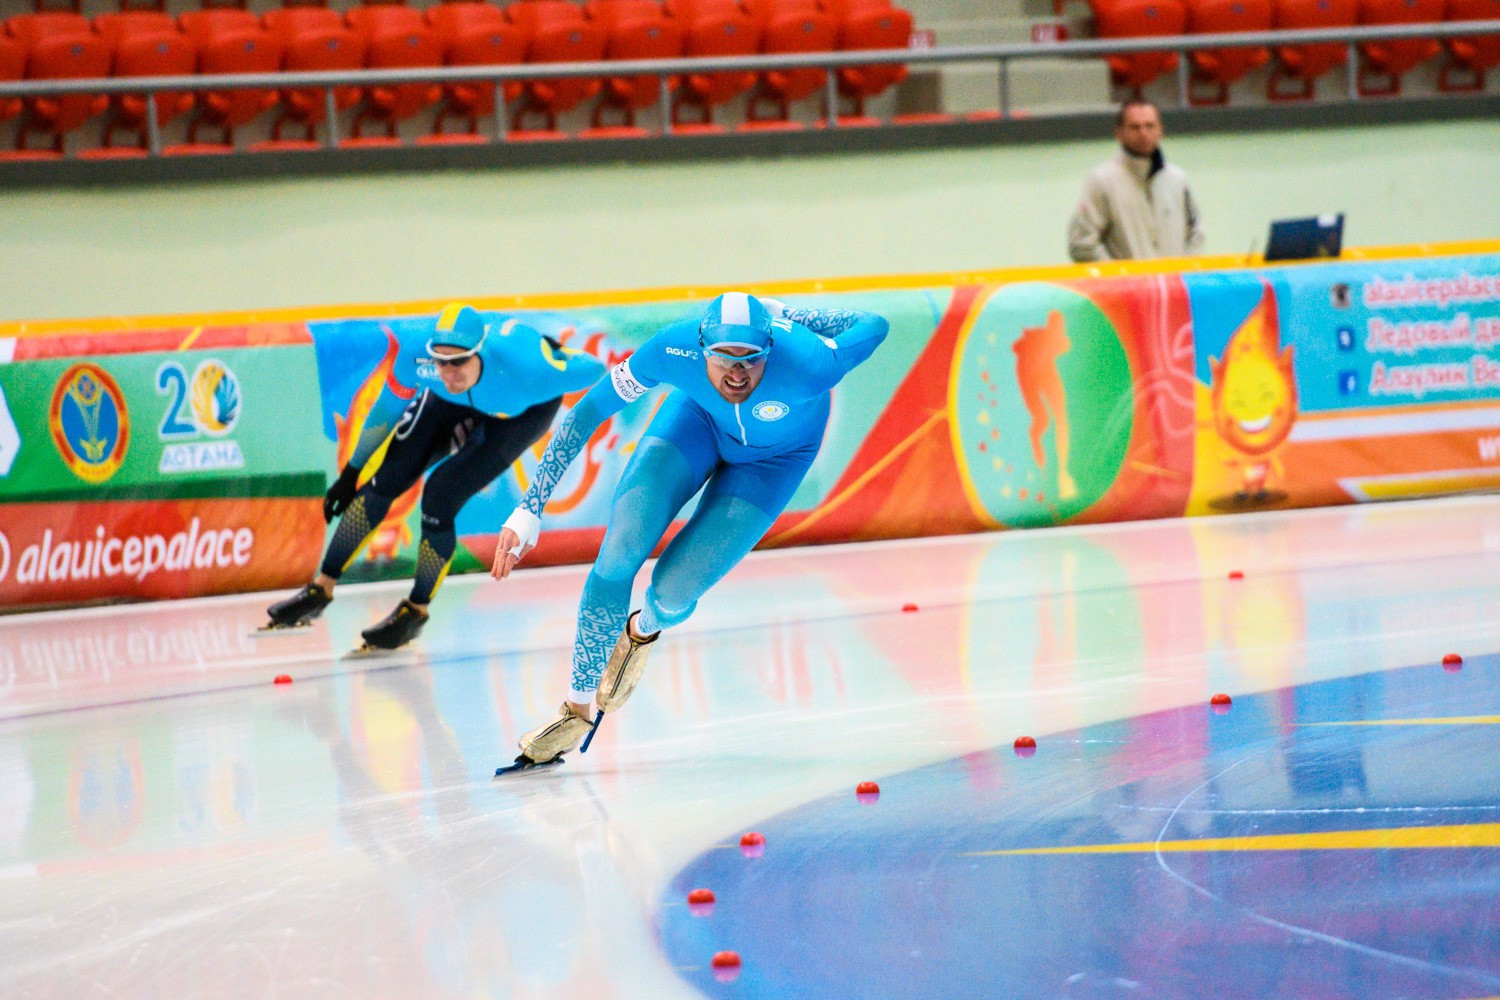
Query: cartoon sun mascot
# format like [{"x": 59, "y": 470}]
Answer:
[{"x": 1254, "y": 395}]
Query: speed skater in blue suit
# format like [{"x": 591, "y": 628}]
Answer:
[
  {"x": 751, "y": 381},
  {"x": 465, "y": 402}
]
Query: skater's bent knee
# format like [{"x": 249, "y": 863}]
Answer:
[
  {"x": 668, "y": 613},
  {"x": 622, "y": 555}
]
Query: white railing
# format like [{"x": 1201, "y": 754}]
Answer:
[{"x": 498, "y": 75}]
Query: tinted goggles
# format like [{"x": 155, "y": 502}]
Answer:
[{"x": 724, "y": 359}]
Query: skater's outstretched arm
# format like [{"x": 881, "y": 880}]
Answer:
[{"x": 612, "y": 394}]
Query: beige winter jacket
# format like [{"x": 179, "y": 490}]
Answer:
[{"x": 1128, "y": 213}]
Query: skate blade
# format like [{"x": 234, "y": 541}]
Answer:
[
  {"x": 369, "y": 652},
  {"x": 523, "y": 764},
  {"x": 271, "y": 628}
]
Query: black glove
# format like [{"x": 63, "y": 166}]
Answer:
[{"x": 341, "y": 493}]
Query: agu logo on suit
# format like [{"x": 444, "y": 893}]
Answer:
[{"x": 89, "y": 421}]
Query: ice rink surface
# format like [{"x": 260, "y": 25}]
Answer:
[{"x": 172, "y": 824}]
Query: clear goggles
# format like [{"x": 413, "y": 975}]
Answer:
[
  {"x": 434, "y": 358},
  {"x": 724, "y": 359}
]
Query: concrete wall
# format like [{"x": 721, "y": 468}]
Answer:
[{"x": 260, "y": 244}]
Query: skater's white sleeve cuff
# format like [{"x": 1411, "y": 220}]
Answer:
[
  {"x": 578, "y": 697},
  {"x": 527, "y": 526}
]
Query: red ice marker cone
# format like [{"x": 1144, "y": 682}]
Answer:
[
  {"x": 868, "y": 792},
  {"x": 752, "y": 844},
  {"x": 1220, "y": 703},
  {"x": 1025, "y": 746},
  {"x": 282, "y": 679},
  {"x": 908, "y": 607},
  {"x": 1452, "y": 662},
  {"x": 701, "y": 902},
  {"x": 1235, "y": 574},
  {"x": 726, "y": 965}
]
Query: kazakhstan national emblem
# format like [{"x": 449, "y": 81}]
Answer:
[
  {"x": 770, "y": 410},
  {"x": 89, "y": 421}
]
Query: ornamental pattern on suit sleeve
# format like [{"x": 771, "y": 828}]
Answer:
[
  {"x": 561, "y": 450},
  {"x": 826, "y": 322}
]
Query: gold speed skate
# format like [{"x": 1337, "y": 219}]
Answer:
[
  {"x": 623, "y": 672},
  {"x": 545, "y": 746}
]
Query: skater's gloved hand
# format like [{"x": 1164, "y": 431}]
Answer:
[
  {"x": 517, "y": 538},
  {"x": 341, "y": 493},
  {"x": 775, "y": 307}
]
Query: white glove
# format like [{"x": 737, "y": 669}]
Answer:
[
  {"x": 775, "y": 307},
  {"x": 527, "y": 527}
]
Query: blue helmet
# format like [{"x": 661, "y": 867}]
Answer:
[
  {"x": 736, "y": 319},
  {"x": 458, "y": 326}
]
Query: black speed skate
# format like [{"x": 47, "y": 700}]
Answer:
[
  {"x": 395, "y": 630},
  {"x": 299, "y": 609}
]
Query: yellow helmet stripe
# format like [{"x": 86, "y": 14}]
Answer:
[{"x": 552, "y": 358}]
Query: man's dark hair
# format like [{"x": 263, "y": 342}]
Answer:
[{"x": 1134, "y": 102}]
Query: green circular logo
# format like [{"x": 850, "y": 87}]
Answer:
[{"x": 1041, "y": 405}]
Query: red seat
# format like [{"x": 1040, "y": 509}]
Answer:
[
  {"x": 12, "y": 68},
  {"x": 370, "y": 19},
  {"x": 712, "y": 28},
  {"x": 1303, "y": 64},
  {"x": 113, "y": 27},
  {"x": 1220, "y": 67},
  {"x": 1472, "y": 56},
  {"x": 28, "y": 29},
  {"x": 840, "y": 10},
  {"x": 144, "y": 51},
  {"x": 1393, "y": 60},
  {"x": 287, "y": 23},
  {"x": 559, "y": 34},
  {"x": 62, "y": 57},
  {"x": 395, "y": 38},
  {"x": 1136, "y": 19},
  {"x": 451, "y": 20},
  {"x": 228, "y": 51},
  {"x": 687, "y": 11},
  {"x": 201, "y": 25},
  {"x": 637, "y": 29},
  {"x": 473, "y": 34},
  {"x": 762, "y": 11},
  {"x": 870, "y": 25},
  {"x": 313, "y": 49},
  {"x": 803, "y": 31}
]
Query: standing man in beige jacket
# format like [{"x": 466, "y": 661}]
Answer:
[{"x": 1135, "y": 204}]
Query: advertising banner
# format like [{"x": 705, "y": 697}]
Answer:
[
  {"x": 1345, "y": 382},
  {"x": 150, "y": 463},
  {"x": 160, "y": 463}
]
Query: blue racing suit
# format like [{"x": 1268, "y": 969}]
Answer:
[
  {"x": 748, "y": 458},
  {"x": 471, "y": 437},
  {"x": 521, "y": 368}
]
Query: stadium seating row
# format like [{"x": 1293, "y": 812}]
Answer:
[
  {"x": 1296, "y": 67},
  {"x": 64, "y": 45}
]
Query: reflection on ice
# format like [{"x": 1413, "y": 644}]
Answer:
[{"x": 173, "y": 825}]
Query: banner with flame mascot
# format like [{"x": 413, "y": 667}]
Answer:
[{"x": 1009, "y": 400}]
